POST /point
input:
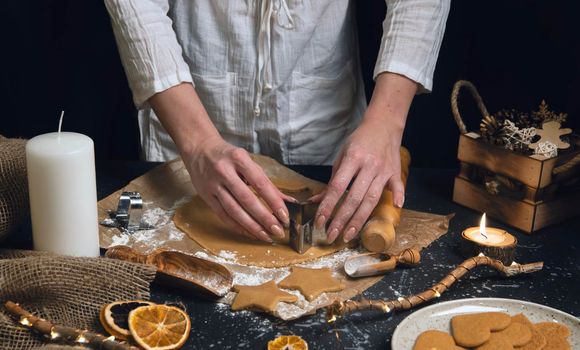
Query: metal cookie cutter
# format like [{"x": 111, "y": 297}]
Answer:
[
  {"x": 129, "y": 213},
  {"x": 303, "y": 234}
]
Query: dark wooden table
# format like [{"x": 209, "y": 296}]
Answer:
[{"x": 429, "y": 190}]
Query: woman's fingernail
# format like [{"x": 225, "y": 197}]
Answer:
[
  {"x": 349, "y": 234},
  {"x": 400, "y": 202},
  {"x": 320, "y": 222},
  {"x": 277, "y": 231},
  {"x": 332, "y": 235},
  {"x": 283, "y": 216},
  {"x": 264, "y": 236}
]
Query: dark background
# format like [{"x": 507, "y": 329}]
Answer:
[{"x": 61, "y": 55}]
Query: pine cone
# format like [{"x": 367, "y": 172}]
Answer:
[
  {"x": 491, "y": 130},
  {"x": 520, "y": 119}
]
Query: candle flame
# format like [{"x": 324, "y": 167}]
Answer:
[{"x": 482, "y": 226}]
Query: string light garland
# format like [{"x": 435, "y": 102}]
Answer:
[
  {"x": 69, "y": 335},
  {"x": 341, "y": 308}
]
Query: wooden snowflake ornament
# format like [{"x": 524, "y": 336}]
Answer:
[{"x": 551, "y": 132}]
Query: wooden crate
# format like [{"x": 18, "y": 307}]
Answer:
[{"x": 538, "y": 192}]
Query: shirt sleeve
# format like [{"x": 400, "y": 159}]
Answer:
[
  {"x": 412, "y": 35},
  {"x": 148, "y": 46}
]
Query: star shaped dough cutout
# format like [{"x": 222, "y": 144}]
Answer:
[
  {"x": 264, "y": 296},
  {"x": 311, "y": 282}
]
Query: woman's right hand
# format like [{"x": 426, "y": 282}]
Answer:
[{"x": 224, "y": 176}]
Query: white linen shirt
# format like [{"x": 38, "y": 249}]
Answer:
[{"x": 277, "y": 77}]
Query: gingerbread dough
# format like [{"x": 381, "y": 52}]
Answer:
[
  {"x": 265, "y": 296},
  {"x": 199, "y": 222},
  {"x": 311, "y": 282}
]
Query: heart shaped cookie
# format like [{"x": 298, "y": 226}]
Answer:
[
  {"x": 515, "y": 335},
  {"x": 474, "y": 330},
  {"x": 435, "y": 340},
  {"x": 538, "y": 341},
  {"x": 555, "y": 334}
]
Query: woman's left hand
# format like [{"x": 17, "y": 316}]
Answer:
[{"x": 369, "y": 161}]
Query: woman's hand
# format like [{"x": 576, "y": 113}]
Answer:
[
  {"x": 369, "y": 161},
  {"x": 224, "y": 176}
]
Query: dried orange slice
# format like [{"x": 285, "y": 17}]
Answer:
[
  {"x": 159, "y": 327},
  {"x": 114, "y": 316},
  {"x": 288, "y": 342}
]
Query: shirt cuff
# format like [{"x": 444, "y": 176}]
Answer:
[
  {"x": 144, "y": 90},
  {"x": 425, "y": 82}
]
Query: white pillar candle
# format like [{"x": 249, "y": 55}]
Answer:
[{"x": 63, "y": 195}]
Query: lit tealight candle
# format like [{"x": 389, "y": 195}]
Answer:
[
  {"x": 490, "y": 241},
  {"x": 63, "y": 195}
]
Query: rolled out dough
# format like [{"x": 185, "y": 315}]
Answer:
[{"x": 199, "y": 222}]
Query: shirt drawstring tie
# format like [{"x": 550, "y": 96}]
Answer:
[{"x": 284, "y": 19}]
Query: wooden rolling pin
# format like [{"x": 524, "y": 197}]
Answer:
[{"x": 378, "y": 234}]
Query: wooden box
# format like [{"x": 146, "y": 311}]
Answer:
[{"x": 527, "y": 192}]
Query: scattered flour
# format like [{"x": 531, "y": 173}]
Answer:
[
  {"x": 165, "y": 232},
  {"x": 227, "y": 255}
]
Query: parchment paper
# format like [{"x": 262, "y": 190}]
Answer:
[{"x": 166, "y": 187}]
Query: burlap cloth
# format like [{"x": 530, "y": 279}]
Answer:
[
  {"x": 65, "y": 290},
  {"x": 13, "y": 184}
]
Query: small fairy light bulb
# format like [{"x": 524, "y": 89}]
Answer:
[
  {"x": 54, "y": 334},
  {"x": 81, "y": 339},
  {"x": 332, "y": 319},
  {"x": 111, "y": 338},
  {"x": 437, "y": 294},
  {"x": 480, "y": 254},
  {"x": 25, "y": 321},
  {"x": 386, "y": 309}
]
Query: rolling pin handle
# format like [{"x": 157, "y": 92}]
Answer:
[{"x": 378, "y": 235}]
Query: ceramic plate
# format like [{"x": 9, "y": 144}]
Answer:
[{"x": 438, "y": 317}]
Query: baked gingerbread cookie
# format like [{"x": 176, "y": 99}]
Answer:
[
  {"x": 435, "y": 340},
  {"x": 555, "y": 334},
  {"x": 514, "y": 336},
  {"x": 496, "y": 331},
  {"x": 538, "y": 341},
  {"x": 473, "y": 330}
]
